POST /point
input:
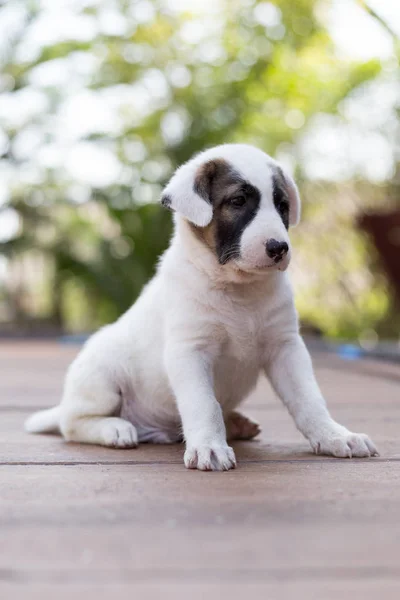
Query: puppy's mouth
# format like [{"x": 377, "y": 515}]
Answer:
[{"x": 262, "y": 268}]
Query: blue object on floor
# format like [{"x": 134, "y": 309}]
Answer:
[
  {"x": 350, "y": 352},
  {"x": 78, "y": 338}
]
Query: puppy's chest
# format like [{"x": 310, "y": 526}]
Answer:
[
  {"x": 238, "y": 364},
  {"x": 243, "y": 339}
]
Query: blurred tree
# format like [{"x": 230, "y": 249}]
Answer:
[{"x": 114, "y": 95}]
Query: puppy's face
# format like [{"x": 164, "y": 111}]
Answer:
[{"x": 240, "y": 204}]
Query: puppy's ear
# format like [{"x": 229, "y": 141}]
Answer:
[
  {"x": 286, "y": 183},
  {"x": 189, "y": 192}
]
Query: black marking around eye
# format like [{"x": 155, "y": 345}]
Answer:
[
  {"x": 280, "y": 197},
  {"x": 229, "y": 230},
  {"x": 217, "y": 181}
]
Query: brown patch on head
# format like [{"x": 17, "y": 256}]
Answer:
[
  {"x": 207, "y": 174},
  {"x": 234, "y": 201}
]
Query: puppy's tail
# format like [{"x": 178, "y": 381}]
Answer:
[{"x": 44, "y": 421}]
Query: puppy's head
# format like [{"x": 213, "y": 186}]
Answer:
[{"x": 240, "y": 203}]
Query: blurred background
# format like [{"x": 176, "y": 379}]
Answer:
[{"x": 101, "y": 99}]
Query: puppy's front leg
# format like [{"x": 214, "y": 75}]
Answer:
[
  {"x": 290, "y": 370},
  {"x": 190, "y": 375}
]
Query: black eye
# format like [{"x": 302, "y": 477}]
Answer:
[
  {"x": 282, "y": 206},
  {"x": 281, "y": 203},
  {"x": 237, "y": 201}
]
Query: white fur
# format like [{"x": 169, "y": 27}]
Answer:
[{"x": 193, "y": 345}]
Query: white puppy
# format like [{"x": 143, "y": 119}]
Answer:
[{"x": 218, "y": 312}]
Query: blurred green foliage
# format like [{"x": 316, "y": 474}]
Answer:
[{"x": 205, "y": 79}]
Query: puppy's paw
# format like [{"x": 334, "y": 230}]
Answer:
[
  {"x": 239, "y": 427},
  {"x": 213, "y": 457},
  {"x": 118, "y": 433},
  {"x": 338, "y": 441}
]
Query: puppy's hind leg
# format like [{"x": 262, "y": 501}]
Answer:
[
  {"x": 240, "y": 427},
  {"x": 88, "y": 412},
  {"x": 104, "y": 431}
]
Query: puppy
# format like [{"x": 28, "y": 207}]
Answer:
[{"x": 218, "y": 312}]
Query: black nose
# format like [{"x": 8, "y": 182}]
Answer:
[{"x": 276, "y": 250}]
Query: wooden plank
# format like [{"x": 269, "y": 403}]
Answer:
[
  {"x": 32, "y": 373},
  {"x": 327, "y": 589},
  {"x": 279, "y": 440},
  {"x": 315, "y": 496},
  {"x": 91, "y": 521}
]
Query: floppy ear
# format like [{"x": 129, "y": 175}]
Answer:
[
  {"x": 189, "y": 192},
  {"x": 285, "y": 181}
]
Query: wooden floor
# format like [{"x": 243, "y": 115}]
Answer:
[{"x": 86, "y": 522}]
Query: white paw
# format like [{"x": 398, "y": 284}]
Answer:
[
  {"x": 213, "y": 457},
  {"x": 339, "y": 441},
  {"x": 118, "y": 433}
]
